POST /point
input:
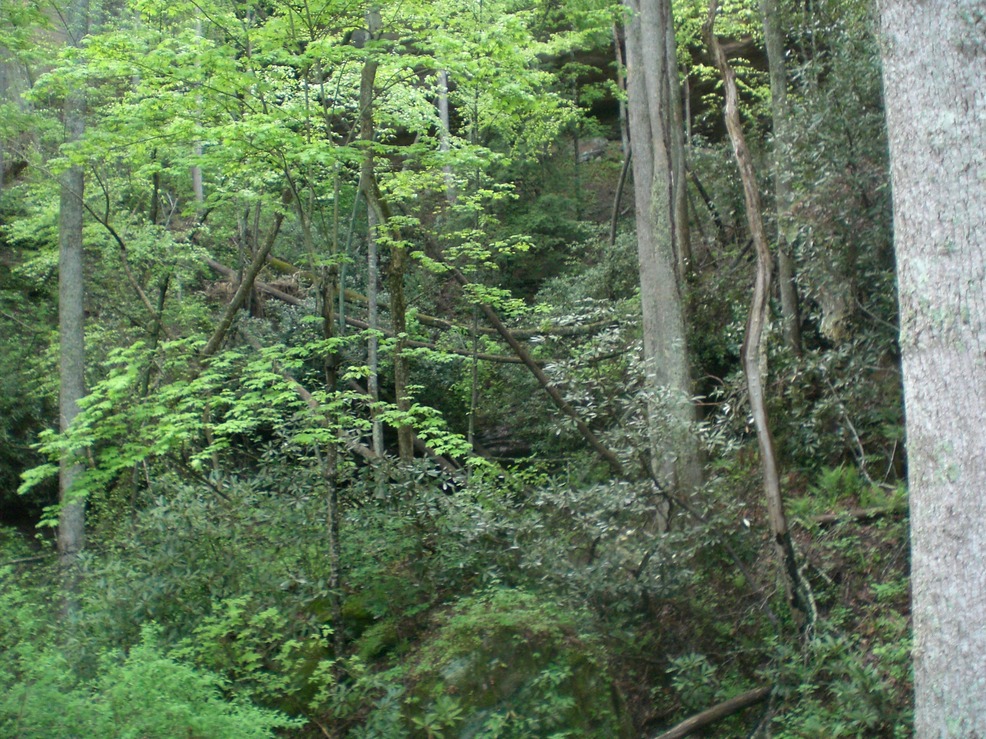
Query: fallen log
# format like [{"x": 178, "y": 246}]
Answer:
[{"x": 717, "y": 713}]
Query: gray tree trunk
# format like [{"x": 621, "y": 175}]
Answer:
[
  {"x": 71, "y": 522},
  {"x": 675, "y": 451},
  {"x": 934, "y": 67},
  {"x": 783, "y": 197},
  {"x": 682, "y": 234},
  {"x": 4, "y": 86},
  {"x": 372, "y": 277}
]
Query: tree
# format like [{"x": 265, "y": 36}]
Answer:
[
  {"x": 649, "y": 103},
  {"x": 754, "y": 351},
  {"x": 934, "y": 63},
  {"x": 783, "y": 196},
  {"x": 71, "y": 312}
]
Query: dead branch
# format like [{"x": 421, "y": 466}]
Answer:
[
  {"x": 717, "y": 713},
  {"x": 564, "y": 406},
  {"x": 246, "y": 284},
  {"x": 280, "y": 265},
  {"x": 859, "y": 515},
  {"x": 363, "y": 325}
]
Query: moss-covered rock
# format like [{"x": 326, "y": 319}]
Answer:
[{"x": 507, "y": 664}]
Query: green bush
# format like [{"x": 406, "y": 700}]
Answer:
[{"x": 144, "y": 693}]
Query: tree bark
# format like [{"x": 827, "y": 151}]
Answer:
[
  {"x": 682, "y": 234},
  {"x": 373, "y": 381},
  {"x": 331, "y": 465},
  {"x": 71, "y": 312},
  {"x": 246, "y": 284},
  {"x": 677, "y": 462},
  {"x": 754, "y": 355},
  {"x": 717, "y": 713},
  {"x": 398, "y": 258},
  {"x": 4, "y": 86},
  {"x": 934, "y": 65},
  {"x": 783, "y": 197}
]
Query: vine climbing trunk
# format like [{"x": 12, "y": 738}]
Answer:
[{"x": 754, "y": 355}]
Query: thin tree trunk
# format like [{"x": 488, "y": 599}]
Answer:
[
  {"x": 398, "y": 257},
  {"x": 71, "y": 523},
  {"x": 444, "y": 144},
  {"x": 934, "y": 66},
  {"x": 373, "y": 381},
  {"x": 398, "y": 318},
  {"x": 331, "y": 465},
  {"x": 4, "y": 86},
  {"x": 621, "y": 84},
  {"x": 198, "y": 189},
  {"x": 784, "y": 199},
  {"x": 754, "y": 354},
  {"x": 682, "y": 233}
]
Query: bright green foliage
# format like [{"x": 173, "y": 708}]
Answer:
[
  {"x": 253, "y": 649},
  {"x": 145, "y": 693}
]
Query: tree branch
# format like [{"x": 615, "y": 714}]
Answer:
[
  {"x": 521, "y": 351},
  {"x": 717, "y": 713},
  {"x": 246, "y": 284}
]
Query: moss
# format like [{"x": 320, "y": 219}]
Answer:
[{"x": 507, "y": 664}]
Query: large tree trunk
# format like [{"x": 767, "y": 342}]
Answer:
[
  {"x": 934, "y": 67},
  {"x": 676, "y": 456},
  {"x": 71, "y": 523}
]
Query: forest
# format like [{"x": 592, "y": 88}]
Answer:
[{"x": 492, "y": 368}]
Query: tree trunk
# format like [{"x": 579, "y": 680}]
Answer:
[
  {"x": 621, "y": 85},
  {"x": 934, "y": 67},
  {"x": 682, "y": 234},
  {"x": 676, "y": 461},
  {"x": 71, "y": 522},
  {"x": 373, "y": 380},
  {"x": 4, "y": 86},
  {"x": 331, "y": 463},
  {"x": 398, "y": 256},
  {"x": 783, "y": 197},
  {"x": 444, "y": 142}
]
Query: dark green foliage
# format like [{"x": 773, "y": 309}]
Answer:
[{"x": 507, "y": 664}]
